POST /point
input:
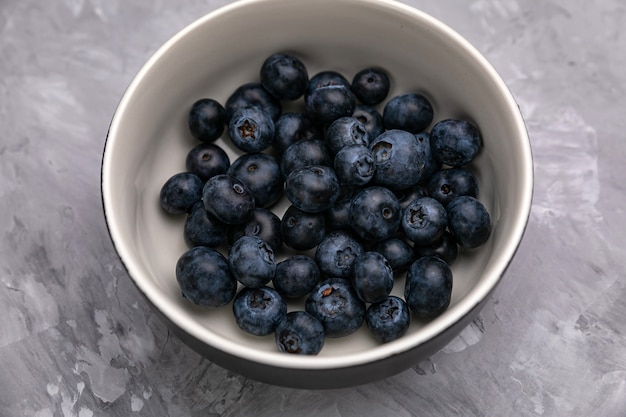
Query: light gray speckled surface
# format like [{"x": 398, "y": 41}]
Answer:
[{"x": 77, "y": 339}]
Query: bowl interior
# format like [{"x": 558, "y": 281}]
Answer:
[{"x": 149, "y": 139}]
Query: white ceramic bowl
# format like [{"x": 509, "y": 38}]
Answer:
[{"x": 148, "y": 141}]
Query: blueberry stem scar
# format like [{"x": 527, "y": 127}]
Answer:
[{"x": 248, "y": 130}]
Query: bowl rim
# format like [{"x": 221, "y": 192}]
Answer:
[{"x": 474, "y": 298}]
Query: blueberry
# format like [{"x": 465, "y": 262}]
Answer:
[
  {"x": 399, "y": 159},
  {"x": 312, "y": 189},
  {"x": 445, "y": 248},
  {"x": 447, "y": 184},
  {"x": 251, "y": 129},
  {"x": 180, "y": 192},
  {"x": 252, "y": 95},
  {"x": 258, "y": 311},
  {"x": 301, "y": 230},
  {"x": 424, "y": 220},
  {"x": 284, "y": 76},
  {"x": 406, "y": 196},
  {"x": 372, "y": 277},
  {"x": 336, "y": 305},
  {"x": 346, "y": 131},
  {"x": 397, "y": 251},
  {"x": 325, "y": 79},
  {"x": 252, "y": 261},
  {"x": 203, "y": 229},
  {"x": 354, "y": 165},
  {"x": 336, "y": 253},
  {"x": 207, "y": 119},
  {"x": 228, "y": 199},
  {"x": 468, "y": 221},
  {"x": 455, "y": 142},
  {"x": 431, "y": 164},
  {"x": 371, "y": 86},
  {"x": 326, "y": 104},
  {"x": 300, "y": 333},
  {"x": 428, "y": 287},
  {"x": 305, "y": 153},
  {"x": 411, "y": 112},
  {"x": 292, "y": 127},
  {"x": 388, "y": 319},
  {"x": 375, "y": 213},
  {"x": 370, "y": 118},
  {"x": 264, "y": 224},
  {"x": 261, "y": 174},
  {"x": 296, "y": 276},
  {"x": 338, "y": 216},
  {"x": 207, "y": 160},
  {"x": 204, "y": 277}
]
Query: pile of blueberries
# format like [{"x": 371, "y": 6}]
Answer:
[{"x": 372, "y": 195}]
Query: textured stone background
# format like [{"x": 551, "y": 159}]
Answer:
[{"x": 77, "y": 339}]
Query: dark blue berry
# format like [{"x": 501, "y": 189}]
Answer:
[
  {"x": 424, "y": 220},
  {"x": 207, "y": 120},
  {"x": 372, "y": 277},
  {"x": 338, "y": 216},
  {"x": 300, "y": 333},
  {"x": 313, "y": 189},
  {"x": 327, "y": 104},
  {"x": 375, "y": 213},
  {"x": 346, "y": 131},
  {"x": 264, "y": 224},
  {"x": 252, "y": 95},
  {"x": 180, "y": 192},
  {"x": 204, "y": 277},
  {"x": 399, "y": 159},
  {"x": 258, "y": 311},
  {"x": 252, "y": 261},
  {"x": 468, "y": 221},
  {"x": 301, "y": 230},
  {"x": 203, "y": 229},
  {"x": 292, "y": 127},
  {"x": 406, "y": 196},
  {"x": 228, "y": 199},
  {"x": 305, "y": 153},
  {"x": 445, "y": 248},
  {"x": 388, "y": 319},
  {"x": 398, "y": 253},
  {"x": 447, "y": 184},
  {"x": 336, "y": 253},
  {"x": 371, "y": 86},
  {"x": 284, "y": 76},
  {"x": 336, "y": 305},
  {"x": 431, "y": 164},
  {"x": 455, "y": 142},
  {"x": 251, "y": 129},
  {"x": 428, "y": 287},
  {"x": 296, "y": 276},
  {"x": 371, "y": 119},
  {"x": 411, "y": 112},
  {"x": 325, "y": 79},
  {"x": 354, "y": 165},
  {"x": 207, "y": 160},
  {"x": 261, "y": 174}
]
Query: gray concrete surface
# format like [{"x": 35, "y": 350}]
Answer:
[{"x": 77, "y": 339}]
